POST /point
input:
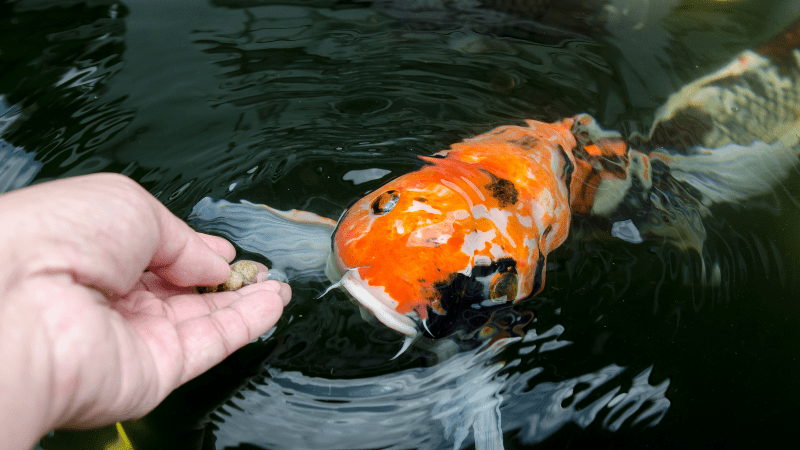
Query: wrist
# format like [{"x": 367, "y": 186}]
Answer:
[{"x": 25, "y": 373}]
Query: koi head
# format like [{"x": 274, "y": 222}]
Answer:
[{"x": 434, "y": 245}]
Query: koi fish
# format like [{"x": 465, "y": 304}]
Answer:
[{"x": 472, "y": 228}]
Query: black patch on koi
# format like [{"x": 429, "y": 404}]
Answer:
[
  {"x": 496, "y": 131},
  {"x": 538, "y": 276},
  {"x": 686, "y": 130},
  {"x": 461, "y": 296},
  {"x": 503, "y": 190},
  {"x": 566, "y": 174},
  {"x": 385, "y": 202},
  {"x": 526, "y": 142}
]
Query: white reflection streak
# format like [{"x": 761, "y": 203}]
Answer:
[
  {"x": 365, "y": 175},
  {"x": 444, "y": 406}
]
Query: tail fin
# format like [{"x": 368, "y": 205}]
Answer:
[{"x": 732, "y": 172}]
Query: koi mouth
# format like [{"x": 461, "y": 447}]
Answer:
[{"x": 379, "y": 304}]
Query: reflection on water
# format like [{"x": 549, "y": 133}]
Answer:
[
  {"x": 17, "y": 167},
  {"x": 309, "y": 105},
  {"x": 77, "y": 52},
  {"x": 437, "y": 407}
]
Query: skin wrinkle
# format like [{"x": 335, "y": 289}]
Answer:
[
  {"x": 121, "y": 330},
  {"x": 140, "y": 404},
  {"x": 52, "y": 356},
  {"x": 179, "y": 375},
  {"x": 183, "y": 373},
  {"x": 248, "y": 332},
  {"x": 52, "y": 378},
  {"x": 83, "y": 372},
  {"x": 62, "y": 353},
  {"x": 111, "y": 378},
  {"x": 161, "y": 383},
  {"x": 215, "y": 321}
]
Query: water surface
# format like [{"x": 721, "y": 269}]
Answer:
[{"x": 310, "y": 105}]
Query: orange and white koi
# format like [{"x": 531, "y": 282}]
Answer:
[{"x": 473, "y": 227}]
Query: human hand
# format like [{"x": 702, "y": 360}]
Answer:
[{"x": 87, "y": 337}]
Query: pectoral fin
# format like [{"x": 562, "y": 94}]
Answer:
[{"x": 297, "y": 243}]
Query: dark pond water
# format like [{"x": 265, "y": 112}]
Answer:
[{"x": 279, "y": 102}]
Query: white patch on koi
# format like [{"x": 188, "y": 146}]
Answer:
[
  {"x": 525, "y": 221},
  {"x": 537, "y": 214},
  {"x": 474, "y": 188},
  {"x": 483, "y": 261},
  {"x": 499, "y": 218},
  {"x": 378, "y": 303},
  {"x": 497, "y": 251},
  {"x": 359, "y": 232},
  {"x": 398, "y": 226},
  {"x": 547, "y": 200},
  {"x": 532, "y": 245},
  {"x": 557, "y": 167},
  {"x": 433, "y": 235},
  {"x": 458, "y": 190},
  {"x": 522, "y": 280},
  {"x": 534, "y": 157},
  {"x": 418, "y": 239},
  {"x": 419, "y": 206},
  {"x": 428, "y": 189},
  {"x": 461, "y": 214},
  {"x": 555, "y": 231},
  {"x": 477, "y": 240}
]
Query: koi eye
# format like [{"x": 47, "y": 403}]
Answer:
[
  {"x": 503, "y": 287},
  {"x": 385, "y": 202}
]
